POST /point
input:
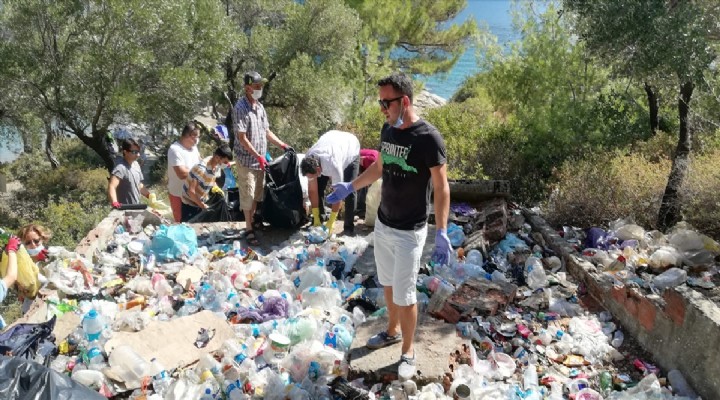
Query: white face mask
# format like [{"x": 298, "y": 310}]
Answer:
[
  {"x": 257, "y": 94},
  {"x": 35, "y": 251}
]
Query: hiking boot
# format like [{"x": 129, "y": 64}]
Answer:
[
  {"x": 406, "y": 369},
  {"x": 382, "y": 339}
]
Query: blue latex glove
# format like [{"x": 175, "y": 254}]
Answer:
[
  {"x": 340, "y": 192},
  {"x": 443, "y": 248}
]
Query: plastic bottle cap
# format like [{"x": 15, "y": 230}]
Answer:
[{"x": 92, "y": 314}]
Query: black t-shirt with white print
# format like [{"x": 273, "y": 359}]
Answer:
[{"x": 407, "y": 156}]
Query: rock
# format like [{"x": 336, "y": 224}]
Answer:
[
  {"x": 496, "y": 219},
  {"x": 425, "y": 101},
  {"x": 477, "y": 297}
]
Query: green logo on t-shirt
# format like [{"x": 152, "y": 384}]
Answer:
[{"x": 396, "y": 154}]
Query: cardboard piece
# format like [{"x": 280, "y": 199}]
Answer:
[
  {"x": 65, "y": 325},
  {"x": 173, "y": 342}
]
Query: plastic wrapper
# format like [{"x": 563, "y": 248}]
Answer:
[{"x": 27, "y": 273}]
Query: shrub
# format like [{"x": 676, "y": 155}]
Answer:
[
  {"x": 596, "y": 190},
  {"x": 70, "y": 221}
]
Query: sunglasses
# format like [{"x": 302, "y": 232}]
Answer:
[
  {"x": 385, "y": 104},
  {"x": 32, "y": 241}
]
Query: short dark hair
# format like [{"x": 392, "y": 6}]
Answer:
[
  {"x": 189, "y": 128},
  {"x": 309, "y": 165},
  {"x": 128, "y": 144},
  {"x": 400, "y": 82},
  {"x": 223, "y": 151}
]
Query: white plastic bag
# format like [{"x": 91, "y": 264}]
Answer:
[{"x": 372, "y": 202}]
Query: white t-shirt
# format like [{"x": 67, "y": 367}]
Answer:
[
  {"x": 335, "y": 150},
  {"x": 180, "y": 156}
]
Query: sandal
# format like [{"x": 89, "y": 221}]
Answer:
[{"x": 251, "y": 238}]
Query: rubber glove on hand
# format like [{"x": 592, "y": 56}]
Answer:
[
  {"x": 116, "y": 205},
  {"x": 340, "y": 192},
  {"x": 331, "y": 222},
  {"x": 287, "y": 148},
  {"x": 263, "y": 162},
  {"x": 443, "y": 248},
  {"x": 13, "y": 244},
  {"x": 43, "y": 255},
  {"x": 316, "y": 216}
]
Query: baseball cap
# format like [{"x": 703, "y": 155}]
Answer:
[{"x": 253, "y": 77}]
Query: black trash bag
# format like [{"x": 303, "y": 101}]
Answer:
[
  {"x": 283, "y": 204},
  {"x": 22, "y": 379},
  {"x": 217, "y": 210},
  {"x": 26, "y": 340}
]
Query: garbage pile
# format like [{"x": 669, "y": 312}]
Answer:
[
  {"x": 244, "y": 325},
  {"x": 651, "y": 260}
]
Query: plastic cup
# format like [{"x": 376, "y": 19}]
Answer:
[{"x": 279, "y": 344}]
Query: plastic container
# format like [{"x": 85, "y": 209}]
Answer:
[
  {"x": 670, "y": 278},
  {"x": 129, "y": 365},
  {"x": 680, "y": 386},
  {"x": 92, "y": 325},
  {"x": 535, "y": 273},
  {"x": 321, "y": 298},
  {"x": 617, "y": 339},
  {"x": 474, "y": 256}
]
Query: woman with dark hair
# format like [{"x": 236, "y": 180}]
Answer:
[
  {"x": 182, "y": 155},
  {"x": 125, "y": 184}
]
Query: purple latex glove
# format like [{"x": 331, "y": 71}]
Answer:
[
  {"x": 340, "y": 192},
  {"x": 443, "y": 248}
]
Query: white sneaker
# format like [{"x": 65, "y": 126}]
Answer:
[{"x": 407, "y": 368}]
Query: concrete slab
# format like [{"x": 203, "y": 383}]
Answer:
[{"x": 436, "y": 342}]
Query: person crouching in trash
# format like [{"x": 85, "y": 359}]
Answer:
[{"x": 201, "y": 180}]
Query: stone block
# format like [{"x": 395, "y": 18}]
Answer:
[
  {"x": 435, "y": 344},
  {"x": 674, "y": 306},
  {"x": 481, "y": 297}
]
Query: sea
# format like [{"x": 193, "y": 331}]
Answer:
[{"x": 494, "y": 14}]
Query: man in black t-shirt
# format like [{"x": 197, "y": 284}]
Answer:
[{"x": 412, "y": 162}]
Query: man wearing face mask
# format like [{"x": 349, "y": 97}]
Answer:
[
  {"x": 182, "y": 155},
  {"x": 412, "y": 163},
  {"x": 252, "y": 131}
]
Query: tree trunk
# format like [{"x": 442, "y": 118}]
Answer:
[
  {"x": 54, "y": 162},
  {"x": 97, "y": 141},
  {"x": 654, "y": 106},
  {"x": 670, "y": 207}
]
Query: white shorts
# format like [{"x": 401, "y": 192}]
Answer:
[{"x": 397, "y": 256}]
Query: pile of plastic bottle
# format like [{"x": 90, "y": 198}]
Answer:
[
  {"x": 629, "y": 255},
  {"x": 293, "y": 321}
]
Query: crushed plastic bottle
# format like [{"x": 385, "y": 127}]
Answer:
[
  {"x": 670, "y": 278},
  {"x": 535, "y": 273}
]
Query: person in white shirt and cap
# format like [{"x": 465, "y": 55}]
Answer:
[{"x": 334, "y": 157}]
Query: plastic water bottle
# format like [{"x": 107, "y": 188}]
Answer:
[
  {"x": 530, "y": 381},
  {"x": 92, "y": 325},
  {"x": 617, "y": 339},
  {"x": 208, "y": 395},
  {"x": 475, "y": 257},
  {"x": 680, "y": 386},
  {"x": 456, "y": 236},
  {"x": 160, "y": 378},
  {"x": 670, "y": 278},
  {"x": 535, "y": 273},
  {"x": 207, "y": 297}
]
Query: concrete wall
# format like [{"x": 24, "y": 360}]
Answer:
[{"x": 680, "y": 328}]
